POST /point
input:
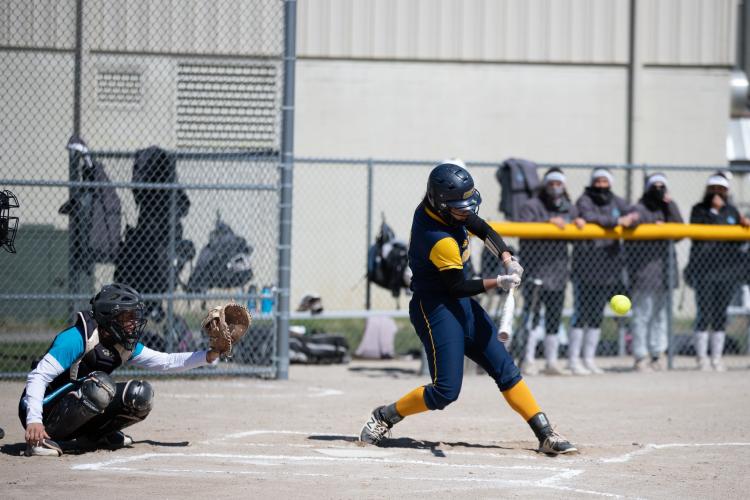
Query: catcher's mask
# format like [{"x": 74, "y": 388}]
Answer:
[
  {"x": 118, "y": 309},
  {"x": 8, "y": 224},
  {"x": 450, "y": 188}
]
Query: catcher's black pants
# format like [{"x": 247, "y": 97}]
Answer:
[{"x": 116, "y": 416}]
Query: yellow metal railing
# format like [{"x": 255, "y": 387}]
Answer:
[{"x": 668, "y": 231}]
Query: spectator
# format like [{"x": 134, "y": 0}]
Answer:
[
  {"x": 648, "y": 273},
  {"x": 547, "y": 267},
  {"x": 597, "y": 268},
  {"x": 714, "y": 271}
]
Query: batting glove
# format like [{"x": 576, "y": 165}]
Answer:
[
  {"x": 508, "y": 281},
  {"x": 513, "y": 267}
]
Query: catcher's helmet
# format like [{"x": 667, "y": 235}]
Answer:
[
  {"x": 450, "y": 186},
  {"x": 8, "y": 224},
  {"x": 118, "y": 309}
]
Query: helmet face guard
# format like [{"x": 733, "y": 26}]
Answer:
[
  {"x": 127, "y": 327},
  {"x": 118, "y": 309},
  {"x": 450, "y": 188},
  {"x": 8, "y": 224}
]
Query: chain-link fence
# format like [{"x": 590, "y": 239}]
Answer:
[
  {"x": 581, "y": 285},
  {"x": 189, "y": 223}
]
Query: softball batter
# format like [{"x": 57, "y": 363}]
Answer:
[{"x": 450, "y": 324}]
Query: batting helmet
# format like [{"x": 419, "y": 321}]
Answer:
[
  {"x": 450, "y": 186},
  {"x": 118, "y": 309}
]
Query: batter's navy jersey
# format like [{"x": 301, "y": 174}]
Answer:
[
  {"x": 450, "y": 327},
  {"x": 434, "y": 247}
]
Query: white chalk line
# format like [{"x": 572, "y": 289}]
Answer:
[
  {"x": 558, "y": 474},
  {"x": 648, "y": 448},
  {"x": 313, "y": 392},
  {"x": 550, "y": 482}
]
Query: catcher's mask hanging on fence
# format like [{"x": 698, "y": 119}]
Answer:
[
  {"x": 118, "y": 309},
  {"x": 8, "y": 224}
]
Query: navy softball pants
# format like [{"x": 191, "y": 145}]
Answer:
[{"x": 450, "y": 328}]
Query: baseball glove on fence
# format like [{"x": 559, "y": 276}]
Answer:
[{"x": 225, "y": 326}]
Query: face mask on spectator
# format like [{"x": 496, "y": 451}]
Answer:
[
  {"x": 554, "y": 192},
  {"x": 657, "y": 193}
]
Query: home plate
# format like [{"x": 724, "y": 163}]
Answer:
[{"x": 355, "y": 453}]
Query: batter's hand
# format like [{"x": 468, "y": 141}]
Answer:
[
  {"x": 35, "y": 432},
  {"x": 513, "y": 267},
  {"x": 508, "y": 281}
]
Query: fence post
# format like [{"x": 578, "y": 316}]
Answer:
[
  {"x": 74, "y": 236},
  {"x": 285, "y": 203},
  {"x": 171, "y": 256},
  {"x": 368, "y": 290},
  {"x": 670, "y": 292}
]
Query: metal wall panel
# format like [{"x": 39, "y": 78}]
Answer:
[
  {"x": 182, "y": 26},
  {"x": 559, "y": 31},
  {"x": 37, "y": 23},
  {"x": 689, "y": 32}
]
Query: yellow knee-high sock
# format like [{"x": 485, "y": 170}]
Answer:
[
  {"x": 412, "y": 403},
  {"x": 519, "y": 398}
]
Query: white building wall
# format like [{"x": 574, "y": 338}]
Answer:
[{"x": 483, "y": 79}]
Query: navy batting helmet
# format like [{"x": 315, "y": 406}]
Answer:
[
  {"x": 450, "y": 186},
  {"x": 118, "y": 309}
]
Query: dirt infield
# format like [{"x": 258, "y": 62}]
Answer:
[{"x": 661, "y": 435}]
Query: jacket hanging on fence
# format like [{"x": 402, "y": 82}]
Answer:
[
  {"x": 518, "y": 179},
  {"x": 143, "y": 258},
  {"x": 97, "y": 212}
]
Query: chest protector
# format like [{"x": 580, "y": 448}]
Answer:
[{"x": 95, "y": 357}]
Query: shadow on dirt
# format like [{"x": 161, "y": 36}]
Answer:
[{"x": 415, "y": 444}]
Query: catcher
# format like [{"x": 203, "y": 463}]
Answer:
[{"x": 70, "y": 395}]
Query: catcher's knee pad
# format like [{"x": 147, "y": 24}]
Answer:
[
  {"x": 138, "y": 397},
  {"x": 79, "y": 406},
  {"x": 97, "y": 391}
]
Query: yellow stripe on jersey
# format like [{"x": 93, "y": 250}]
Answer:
[{"x": 446, "y": 255}]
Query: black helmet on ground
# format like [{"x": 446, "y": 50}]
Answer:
[
  {"x": 450, "y": 186},
  {"x": 118, "y": 309}
]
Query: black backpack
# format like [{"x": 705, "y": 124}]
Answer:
[
  {"x": 387, "y": 271},
  {"x": 223, "y": 263},
  {"x": 318, "y": 348}
]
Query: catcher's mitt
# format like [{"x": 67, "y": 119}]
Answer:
[{"x": 224, "y": 326}]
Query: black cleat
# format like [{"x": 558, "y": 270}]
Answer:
[
  {"x": 550, "y": 442},
  {"x": 376, "y": 428},
  {"x": 555, "y": 444}
]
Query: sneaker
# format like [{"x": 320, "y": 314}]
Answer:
[
  {"x": 718, "y": 365},
  {"x": 555, "y": 444},
  {"x": 376, "y": 428},
  {"x": 642, "y": 366},
  {"x": 591, "y": 366},
  {"x": 576, "y": 368},
  {"x": 704, "y": 365},
  {"x": 44, "y": 448},
  {"x": 112, "y": 441},
  {"x": 529, "y": 369},
  {"x": 656, "y": 364},
  {"x": 555, "y": 369}
]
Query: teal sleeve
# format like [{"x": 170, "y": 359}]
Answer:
[
  {"x": 138, "y": 349},
  {"x": 67, "y": 347}
]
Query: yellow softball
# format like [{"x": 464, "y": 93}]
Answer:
[{"x": 620, "y": 304}]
